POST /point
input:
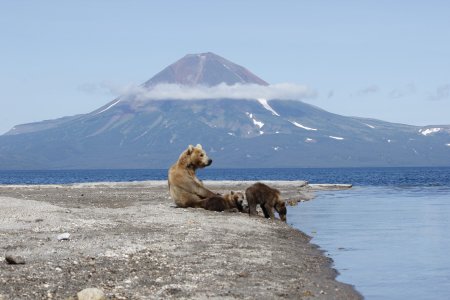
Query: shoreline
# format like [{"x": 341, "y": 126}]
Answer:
[{"x": 131, "y": 242}]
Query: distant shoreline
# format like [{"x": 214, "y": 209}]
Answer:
[
  {"x": 129, "y": 240},
  {"x": 355, "y": 176}
]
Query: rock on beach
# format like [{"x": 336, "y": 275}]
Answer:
[
  {"x": 63, "y": 236},
  {"x": 13, "y": 259},
  {"x": 91, "y": 294}
]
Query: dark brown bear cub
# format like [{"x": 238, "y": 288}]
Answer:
[
  {"x": 268, "y": 198},
  {"x": 228, "y": 202}
]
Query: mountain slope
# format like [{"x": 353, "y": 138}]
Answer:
[{"x": 236, "y": 133}]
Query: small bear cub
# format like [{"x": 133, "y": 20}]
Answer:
[
  {"x": 268, "y": 198},
  {"x": 232, "y": 202}
]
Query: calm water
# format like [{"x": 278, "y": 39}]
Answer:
[
  {"x": 389, "y": 242},
  {"x": 389, "y": 235},
  {"x": 356, "y": 176}
]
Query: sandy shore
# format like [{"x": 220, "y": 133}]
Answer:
[{"x": 128, "y": 240}]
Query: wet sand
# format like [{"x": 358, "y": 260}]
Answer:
[{"x": 131, "y": 242}]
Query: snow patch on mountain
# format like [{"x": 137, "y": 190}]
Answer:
[
  {"x": 226, "y": 66},
  {"x": 336, "y": 137},
  {"x": 108, "y": 107},
  {"x": 267, "y": 106},
  {"x": 309, "y": 140},
  {"x": 302, "y": 126},
  {"x": 370, "y": 126},
  {"x": 256, "y": 122},
  {"x": 428, "y": 131},
  {"x": 141, "y": 135}
]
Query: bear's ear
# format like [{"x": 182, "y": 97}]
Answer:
[
  {"x": 199, "y": 147},
  {"x": 232, "y": 193},
  {"x": 190, "y": 149}
]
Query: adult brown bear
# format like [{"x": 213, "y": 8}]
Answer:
[{"x": 184, "y": 186}]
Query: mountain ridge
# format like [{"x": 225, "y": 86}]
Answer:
[{"x": 236, "y": 133}]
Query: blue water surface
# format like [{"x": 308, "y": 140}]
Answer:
[
  {"x": 389, "y": 242},
  {"x": 355, "y": 176}
]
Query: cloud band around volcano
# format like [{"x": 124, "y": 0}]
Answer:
[{"x": 281, "y": 91}]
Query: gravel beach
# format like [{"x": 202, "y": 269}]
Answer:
[{"x": 131, "y": 242}]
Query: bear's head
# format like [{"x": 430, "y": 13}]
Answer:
[
  {"x": 237, "y": 199},
  {"x": 280, "y": 207},
  {"x": 195, "y": 157}
]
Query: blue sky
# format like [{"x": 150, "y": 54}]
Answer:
[{"x": 388, "y": 60}]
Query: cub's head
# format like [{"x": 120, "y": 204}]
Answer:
[
  {"x": 237, "y": 199},
  {"x": 280, "y": 207},
  {"x": 197, "y": 157}
]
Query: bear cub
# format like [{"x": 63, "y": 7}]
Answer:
[
  {"x": 232, "y": 202},
  {"x": 268, "y": 198}
]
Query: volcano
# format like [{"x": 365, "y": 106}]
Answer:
[
  {"x": 206, "y": 69},
  {"x": 236, "y": 133}
]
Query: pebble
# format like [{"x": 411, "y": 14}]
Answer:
[
  {"x": 244, "y": 274},
  {"x": 63, "y": 236},
  {"x": 91, "y": 294},
  {"x": 14, "y": 259}
]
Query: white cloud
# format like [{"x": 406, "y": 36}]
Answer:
[
  {"x": 442, "y": 92},
  {"x": 372, "y": 89},
  {"x": 281, "y": 91},
  {"x": 330, "y": 94},
  {"x": 404, "y": 91}
]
